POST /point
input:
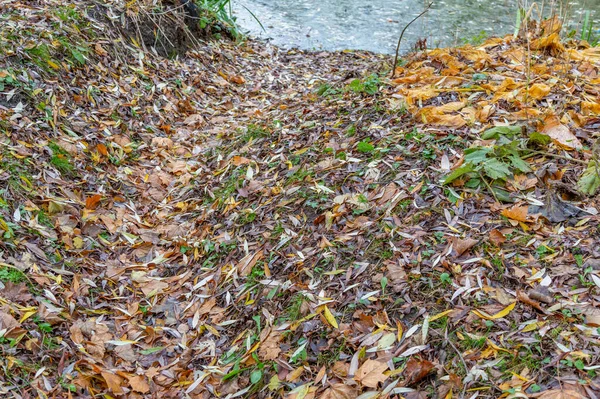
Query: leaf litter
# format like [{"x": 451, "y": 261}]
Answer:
[{"x": 253, "y": 222}]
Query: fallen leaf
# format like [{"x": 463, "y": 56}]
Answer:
[
  {"x": 139, "y": 383},
  {"x": 416, "y": 369},
  {"x": 329, "y": 317},
  {"x": 370, "y": 374},
  {"x": 339, "y": 391},
  {"x": 560, "y": 134},
  {"x": 462, "y": 246},
  {"x": 113, "y": 382},
  {"x": 516, "y": 212},
  {"x": 497, "y": 238},
  {"x": 503, "y": 313}
]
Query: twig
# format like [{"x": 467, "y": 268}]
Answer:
[
  {"x": 535, "y": 152},
  {"x": 488, "y": 186},
  {"x": 460, "y": 356},
  {"x": 402, "y": 34}
]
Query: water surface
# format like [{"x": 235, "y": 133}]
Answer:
[{"x": 376, "y": 24}]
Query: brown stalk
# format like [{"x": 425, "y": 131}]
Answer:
[{"x": 402, "y": 34}]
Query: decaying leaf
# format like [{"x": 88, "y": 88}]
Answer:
[
  {"x": 560, "y": 133},
  {"x": 370, "y": 374}
]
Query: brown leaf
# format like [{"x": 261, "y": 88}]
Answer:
[
  {"x": 340, "y": 391},
  {"x": 416, "y": 370},
  {"x": 462, "y": 246},
  {"x": 101, "y": 148},
  {"x": 497, "y": 238},
  {"x": 247, "y": 263},
  {"x": 16, "y": 292},
  {"x": 561, "y": 394},
  {"x": 11, "y": 324},
  {"x": 370, "y": 374},
  {"x": 113, "y": 382},
  {"x": 269, "y": 346},
  {"x": 139, "y": 383},
  {"x": 560, "y": 134}
]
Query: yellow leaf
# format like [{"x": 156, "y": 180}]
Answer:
[
  {"x": 440, "y": 315},
  {"x": 53, "y": 64},
  {"x": 330, "y": 318},
  {"x": 27, "y": 315},
  {"x": 504, "y": 312},
  {"x": 533, "y": 326}
]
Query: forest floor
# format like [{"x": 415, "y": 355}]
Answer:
[{"x": 247, "y": 221}]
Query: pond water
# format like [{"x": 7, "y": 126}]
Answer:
[{"x": 376, "y": 24}]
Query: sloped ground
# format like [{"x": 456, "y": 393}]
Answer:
[{"x": 250, "y": 222}]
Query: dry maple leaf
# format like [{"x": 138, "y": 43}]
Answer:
[{"x": 370, "y": 374}]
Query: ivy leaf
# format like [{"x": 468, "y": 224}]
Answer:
[
  {"x": 496, "y": 132},
  {"x": 496, "y": 169},
  {"x": 467, "y": 168},
  {"x": 590, "y": 180}
]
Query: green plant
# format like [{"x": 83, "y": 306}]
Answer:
[
  {"x": 369, "y": 85},
  {"x": 365, "y": 146},
  {"x": 587, "y": 30},
  {"x": 499, "y": 161},
  {"x": 60, "y": 159},
  {"x": 13, "y": 275},
  {"x": 445, "y": 279},
  {"x": 327, "y": 90},
  {"x": 477, "y": 39}
]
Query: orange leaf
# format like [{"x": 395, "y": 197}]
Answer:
[
  {"x": 102, "y": 149},
  {"x": 518, "y": 213},
  {"x": 93, "y": 201}
]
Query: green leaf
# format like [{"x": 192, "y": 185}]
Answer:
[
  {"x": 496, "y": 169},
  {"x": 519, "y": 164},
  {"x": 502, "y": 195},
  {"x": 78, "y": 56},
  {"x": 256, "y": 376},
  {"x": 467, "y": 168},
  {"x": 498, "y": 131},
  {"x": 152, "y": 350},
  {"x": 590, "y": 180},
  {"x": 364, "y": 146},
  {"x": 539, "y": 138},
  {"x": 476, "y": 155}
]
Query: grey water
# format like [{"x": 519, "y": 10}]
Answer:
[{"x": 376, "y": 24}]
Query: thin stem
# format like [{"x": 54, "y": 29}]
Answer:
[{"x": 400, "y": 38}]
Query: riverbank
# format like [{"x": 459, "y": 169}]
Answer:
[{"x": 253, "y": 222}]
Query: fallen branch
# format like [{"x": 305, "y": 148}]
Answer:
[{"x": 402, "y": 34}]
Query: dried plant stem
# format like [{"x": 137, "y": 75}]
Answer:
[{"x": 402, "y": 34}]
